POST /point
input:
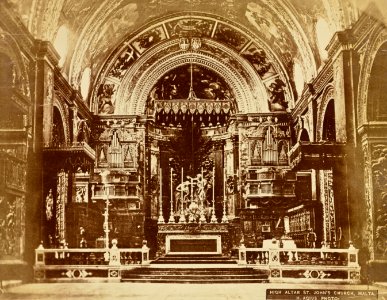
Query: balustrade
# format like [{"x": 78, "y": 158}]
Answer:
[
  {"x": 54, "y": 263},
  {"x": 304, "y": 263}
]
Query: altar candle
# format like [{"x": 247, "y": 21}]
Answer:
[
  {"x": 181, "y": 190},
  {"x": 224, "y": 185},
  {"x": 213, "y": 184},
  {"x": 161, "y": 188},
  {"x": 171, "y": 189}
]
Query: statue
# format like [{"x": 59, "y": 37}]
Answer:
[
  {"x": 49, "y": 205},
  {"x": 191, "y": 195}
]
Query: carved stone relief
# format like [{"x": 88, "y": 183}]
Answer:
[
  {"x": 8, "y": 236},
  {"x": 327, "y": 199},
  {"x": 368, "y": 186},
  {"x": 379, "y": 177}
]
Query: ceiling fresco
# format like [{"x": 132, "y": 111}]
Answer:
[
  {"x": 100, "y": 47},
  {"x": 190, "y": 27},
  {"x": 107, "y": 36},
  {"x": 240, "y": 49},
  {"x": 273, "y": 30},
  {"x": 205, "y": 83}
]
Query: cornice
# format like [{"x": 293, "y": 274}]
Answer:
[
  {"x": 46, "y": 51},
  {"x": 72, "y": 97},
  {"x": 323, "y": 78},
  {"x": 21, "y": 101},
  {"x": 373, "y": 131},
  {"x": 363, "y": 28},
  {"x": 341, "y": 40}
]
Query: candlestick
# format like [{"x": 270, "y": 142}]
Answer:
[
  {"x": 201, "y": 196},
  {"x": 182, "y": 216},
  {"x": 202, "y": 218},
  {"x": 161, "y": 217},
  {"x": 191, "y": 194},
  {"x": 171, "y": 218},
  {"x": 106, "y": 217},
  {"x": 213, "y": 216},
  {"x": 224, "y": 217}
]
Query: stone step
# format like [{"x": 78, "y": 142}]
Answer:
[
  {"x": 197, "y": 261},
  {"x": 193, "y": 259},
  {"x": 198, "y": 280},
  {"x": 194, "y": 275},
  {"x": 196, "y": 271}
]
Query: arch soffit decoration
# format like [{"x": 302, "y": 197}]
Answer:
[
  {"x": 91, "y": 29},
  {"x": 9, "y": 47},
  {"x": 64, "y": 115},
  {"x": 249, "y": 92},
  {"x": 287, "y": 14},
  {"x": 376, "y": 39},
  {"x": 250, "y": 39},
  {"x": 327, "y": 96}
]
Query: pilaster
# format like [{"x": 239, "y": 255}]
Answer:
[{"x": 345, "y": 176}]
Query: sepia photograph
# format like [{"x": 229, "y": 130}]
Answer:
[{"x": 193, "y": 149}]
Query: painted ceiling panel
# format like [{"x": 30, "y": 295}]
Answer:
[{"x": 272, "y": 36}]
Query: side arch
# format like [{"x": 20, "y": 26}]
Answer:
[
  {"x": 10, "y": 48},
  {"x": 64, "y": 114},
  {"x": 328, "y": 95},
  {"x": 303, "y": 135},
  {"x": 367, "y": 57}
]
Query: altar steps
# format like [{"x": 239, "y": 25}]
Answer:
[
  {"x": 194, "y": 268},
  {"x": 195, "y": 275},
  {"x": 193, "y": 259}
]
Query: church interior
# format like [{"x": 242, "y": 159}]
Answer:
[{"x": 159, "y": 132}]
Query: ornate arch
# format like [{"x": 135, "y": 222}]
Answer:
[
  {"x": 249, "y": 92},
  {"x": 222, "y": 56},
  {"x": 327, "y": 95},
  {"x": 367, "y": 56},
  {"x": 10, "y": 48}
]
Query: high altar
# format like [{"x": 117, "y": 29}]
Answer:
[{"x": 192, "y": 226}]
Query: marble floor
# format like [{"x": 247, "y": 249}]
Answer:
[{"x": 172, "y": 291}]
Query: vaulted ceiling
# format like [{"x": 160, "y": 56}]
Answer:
[{"x": 291, "y": 29}]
